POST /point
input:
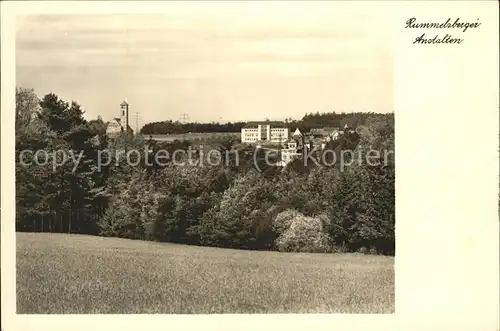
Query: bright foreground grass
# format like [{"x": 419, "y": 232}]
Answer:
[{"x": 59, "y": 273}]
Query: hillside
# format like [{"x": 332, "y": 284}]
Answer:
[{"x": 59, "y": 273}]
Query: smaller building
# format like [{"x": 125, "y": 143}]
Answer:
[
  {"x": 120, "y": 124},
  {"x": 290, "y": 152},
  {"x": 297, "y": 133},
  {"x": 323, "y": 132}
]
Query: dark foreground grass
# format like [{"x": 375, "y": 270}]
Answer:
[{"x": 59, "y": 273}]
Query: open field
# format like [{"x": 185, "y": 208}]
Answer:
[
  {"x": 193, "y": 136},
  {"x": 58, "y": 273}
]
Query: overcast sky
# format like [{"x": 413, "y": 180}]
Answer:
[{"x": 215, "y": 62}]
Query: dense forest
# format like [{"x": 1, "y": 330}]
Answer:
[
  {"x": 308, "y": 122},
  {"x": 243, "y": 202}
]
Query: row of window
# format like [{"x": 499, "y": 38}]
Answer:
[{"x": 273, "y": 136}]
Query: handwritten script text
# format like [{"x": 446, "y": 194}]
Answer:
[{"x": 448, "y": 24}]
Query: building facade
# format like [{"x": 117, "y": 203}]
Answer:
[
  {"x": 291, "y": 151},
  {"x": 120, "y": 124},
  {"x": 297, "y": 133},
  {"x": 254, "y": 132}
]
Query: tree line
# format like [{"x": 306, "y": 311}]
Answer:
[
  {"x": 176, "y": 127},
  {"x": 309, "y": 121},
  {"x": 306, "y": 207}
]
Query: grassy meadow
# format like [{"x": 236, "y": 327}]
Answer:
[{"x": 60, "y": 273}]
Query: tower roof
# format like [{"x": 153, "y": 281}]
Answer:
[{"x": 124, "y": 103}]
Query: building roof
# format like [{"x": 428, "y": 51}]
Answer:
[
  {"x": 124, "y": 103},
  {"x": 297, "y": 132},
  {"x": 114, "y": 125}
]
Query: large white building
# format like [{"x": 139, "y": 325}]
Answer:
[{"x": 274, "y": 132}]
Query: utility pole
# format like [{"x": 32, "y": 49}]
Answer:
[
  {"x": 136, "y": 122},
  {"x": 136, "y": 116}
]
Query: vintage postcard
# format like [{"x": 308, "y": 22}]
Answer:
[{"x": 250, "y": 164}]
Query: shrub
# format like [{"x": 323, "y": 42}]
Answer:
[
  {"x": 283, "y": 220},
  {"x": 363, "y": 250}
]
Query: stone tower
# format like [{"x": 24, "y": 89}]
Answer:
[{"x": 124, "y": 116}]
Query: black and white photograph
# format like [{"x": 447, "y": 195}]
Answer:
[{"x": 239, "y": 158}]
